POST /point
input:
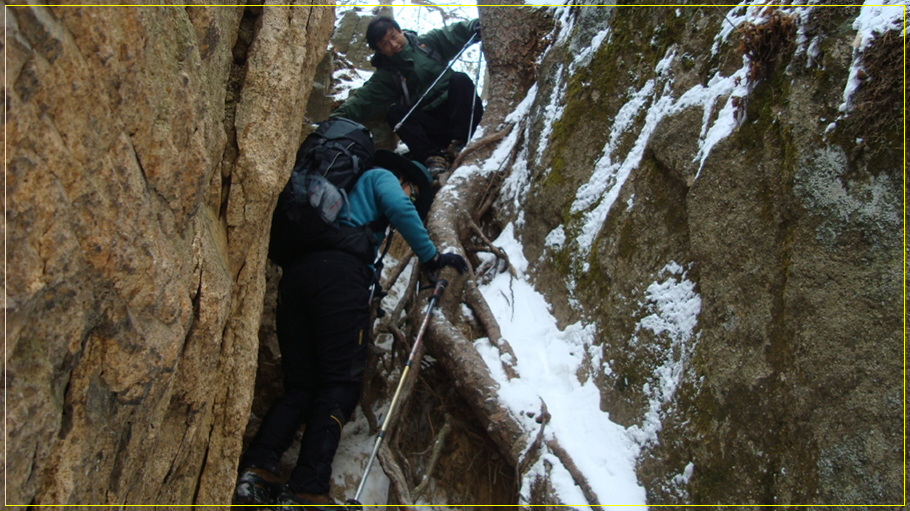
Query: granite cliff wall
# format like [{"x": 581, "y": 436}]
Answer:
[
  {"x": 785, "y": 232},
  {"x": 146, "y": 147}
]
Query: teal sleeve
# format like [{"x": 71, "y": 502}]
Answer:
[{"x": 398, "y": 208}]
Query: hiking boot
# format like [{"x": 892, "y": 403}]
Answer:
[
  {"x": 256, "y": 486},
  {"x": 352, "y": 505},
  {"x": 289, "y": 501},
  {"x": 436, "y": 164},
  {"x": 455, "y": 148}
]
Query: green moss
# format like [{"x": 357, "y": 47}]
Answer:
[
  {"x": 601, "y": 86},
  {"x": 639, "y": 38},
  {"x": 562, "y": 261},
  {"x": 555, "y": 175},
  {"x": 626, "y": 244},
  {"x": 595, "y": 281},
  {"x": 766, "y": 101}
]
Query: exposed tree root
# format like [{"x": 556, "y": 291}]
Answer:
[
  {"x": 404, "y": 301},
  {"x": 492, "y": 191},
  {"x": 481, "y": 309},
  {"x": 489, "y": 247},
  {"x": 389, "y": 325},
  {"x": 398, "y": 270},
  {"x": 580, "y": 480},
  {"x": 413, "y": 373},
  {"x": 454, "y": 223},
  {"x": 533, "y": 453},
  {"x": 479, "y": 144},
  {"x": 399, "y": 487},
  {"x": 438, "y": 444},
  {"x": 450, "y": 227},
  {"x": 370, "y": 416},
  {"x": 472, "y": 380}
]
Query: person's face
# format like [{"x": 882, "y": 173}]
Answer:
[{"x": 392, "y": 42}]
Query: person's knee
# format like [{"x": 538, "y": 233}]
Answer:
[
  {"x": 300, "y": 384},
  {"x": 395, "y": 113},
  {"x": 462, "y": 92},
  {"x": 459, "y": 79},
  {"x": 342, "y": 399}
]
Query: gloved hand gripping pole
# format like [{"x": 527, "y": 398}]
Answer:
[{"x": 354, "y": 504}]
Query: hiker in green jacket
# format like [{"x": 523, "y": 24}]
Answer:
[{"x": 406, "y": 67}]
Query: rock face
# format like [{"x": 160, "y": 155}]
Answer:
[
  {"x": 147, "y": 146},
  {"x": 787, "y": 390}
]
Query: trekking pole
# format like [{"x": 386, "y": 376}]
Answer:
[
  {"x": 434, "y": 299},
  {"x": 378, "y": 265},
  {"x": 463, "y": 48}
]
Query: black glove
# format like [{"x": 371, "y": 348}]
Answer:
[
  {"x": 475, "y": 28},
  {"x": 440, "y": 261}
]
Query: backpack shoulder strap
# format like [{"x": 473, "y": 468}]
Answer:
[{"x": 424, "y": 47}]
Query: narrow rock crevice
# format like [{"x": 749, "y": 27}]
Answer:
[{"x": 245, "y": 37}]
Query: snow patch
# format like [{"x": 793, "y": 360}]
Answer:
[
  {"x": 556, "y": 238},
  {"x": 674, "y": 307},
  {"x": 875, "y": 17},
  {"x": 552, "y": 112},
  {"x": 350, "y": 460},
  {"x": 655, "y": 99},
  {"x": 550, "y": 360},
  {"x": 348, "y": 81}
]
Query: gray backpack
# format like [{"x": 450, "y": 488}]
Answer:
[{"x": 312, "y": 203}]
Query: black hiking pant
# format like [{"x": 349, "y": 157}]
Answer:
[
  {"x": 427, "y": 133},
  {"x": 322, "y": 321}
]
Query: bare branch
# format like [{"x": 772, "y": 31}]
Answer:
[{"x": 445, "y": 14}]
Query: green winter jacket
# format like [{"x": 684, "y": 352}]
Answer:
[{"x": 419, "y": 67}]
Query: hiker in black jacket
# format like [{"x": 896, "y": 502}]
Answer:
[{"x": 406, "y": 66}]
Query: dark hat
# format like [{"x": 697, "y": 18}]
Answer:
[{"x": 410, "y": 171}]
